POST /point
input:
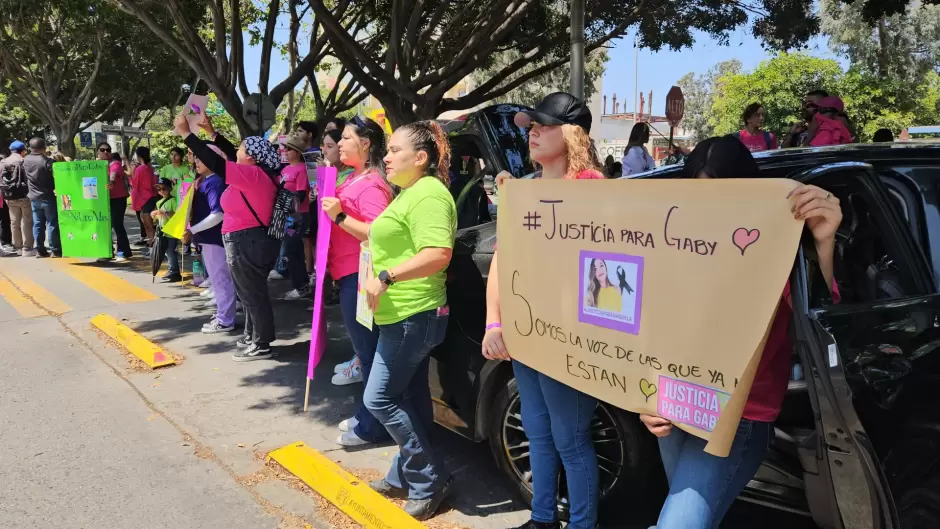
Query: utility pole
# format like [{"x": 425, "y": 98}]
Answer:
[
  {"x": 636, "y": 75},
  {"x": 577, "y": 48}
]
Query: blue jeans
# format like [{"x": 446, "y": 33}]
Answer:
[
  {"x": 702, "y": 486},
  {"x": 172, "y": 258},
  {"x": 46, "y": 221},
  {"x": 399, "y": 396},
  {"x": 557, "y": 421},
  {"x": 364, "y": 343}
]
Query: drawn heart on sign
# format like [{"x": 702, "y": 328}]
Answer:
[
  {"x": 743, "y": 237},
  {"x": 647, "y": 389}
]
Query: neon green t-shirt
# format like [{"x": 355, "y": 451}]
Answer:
[
  {"x": 178, "y": 175},
  {"x": 422, "y": 216},
  {"x": 168, "y": 206}
]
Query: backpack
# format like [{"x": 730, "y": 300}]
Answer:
[
  {"x": 14, "y": 184},
  {"x": 282, "y": 215},
  {"x": 768, "y": 141}
]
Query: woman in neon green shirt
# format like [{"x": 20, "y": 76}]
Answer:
[{"x": 412, "y": 242}]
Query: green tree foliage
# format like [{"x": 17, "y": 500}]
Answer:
[
  {"x": 699, "y": 93},
  {"x": 16, "y": 123},
  {"x": 779, "y": 84}
]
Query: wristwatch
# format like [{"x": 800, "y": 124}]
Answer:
[
  {"x": 386, "y": 278},
  {"x": 340, "y": 217}
]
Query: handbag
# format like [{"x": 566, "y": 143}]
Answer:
[{"x": 281, "y": 214}]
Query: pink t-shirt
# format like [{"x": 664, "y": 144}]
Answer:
[
  {"x": 295, "y": 179},
  {"x": 257, "y": 187},
  {"x": 757, "y": 142},
  {"x": 773, "y": 373},
  {"x": 831, "y": 131},
  {"x": 142, "y": 186},
  {"x": 116, "y": 178},
  {"x": 363, "y": 197}
]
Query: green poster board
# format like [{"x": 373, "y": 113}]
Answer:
[{"x": 84, "y": 208}]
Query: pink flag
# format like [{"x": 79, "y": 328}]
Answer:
[{"x": 326, "y": 187}]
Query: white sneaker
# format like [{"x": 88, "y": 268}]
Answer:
[
  {"x": 206, "y": 283},
  {"x": 348, "y": 425},
  {"x": 214, "y": 327},
  {"x": 275, "y": 276},
  {"x": 352, "y": 375},
  {"x": 239, "y": 307},
  {"x": 343, "y": 366},
  {"x": 207, "y": 293},
  {"x": 29, "y": 253},
  {"x": 350, "y": 439},
  {"x": 313, "y": 279},
  {"x": 297, "y": 293},
  {"x": 211, "y": 303}
]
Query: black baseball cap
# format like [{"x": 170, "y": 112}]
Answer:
[
  {"x": 165, "y": 182},
  {"x": 560, "y": 108}
]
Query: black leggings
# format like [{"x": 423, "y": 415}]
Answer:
[{"x": 118, "y": 207}]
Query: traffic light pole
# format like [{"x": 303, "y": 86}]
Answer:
[{"x": 577, "y": 48}]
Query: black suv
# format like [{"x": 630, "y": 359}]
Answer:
[{"x": 857, "y": 444}]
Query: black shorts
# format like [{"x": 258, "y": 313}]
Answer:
[{"x": 149, "y": 206}]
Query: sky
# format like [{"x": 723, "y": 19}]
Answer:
[{"x": 658, "y": 71}]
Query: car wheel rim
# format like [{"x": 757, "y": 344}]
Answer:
[{"x": 608, "y": 443}]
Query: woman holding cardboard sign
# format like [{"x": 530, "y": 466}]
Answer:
[
  {"x": 412, "y": 242},
  {"x": 359, "y": 200},
  {"x": 702, "y": 486},
  {"x": 555, "y": 416}
]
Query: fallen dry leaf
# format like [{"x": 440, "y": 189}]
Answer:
[{"x": 240, "y": 445}]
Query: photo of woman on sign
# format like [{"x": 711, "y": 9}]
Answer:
[{"x": 611, "y": 286}]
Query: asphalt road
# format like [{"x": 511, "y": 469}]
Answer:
[{"x": 81, "y": 449}]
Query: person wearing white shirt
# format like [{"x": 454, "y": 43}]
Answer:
[{"x": 636, "y": 158}]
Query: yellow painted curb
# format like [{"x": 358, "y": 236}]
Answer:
[
  {"x": 149, "y": 352},
  {"x": 367, "y": 507}
]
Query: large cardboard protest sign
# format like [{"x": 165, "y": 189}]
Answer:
[
  {"x": 84, "y": 208},
  {"x": 653, "y": 295}
]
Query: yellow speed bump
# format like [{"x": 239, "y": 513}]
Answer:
[
  {"x": 149, "y": 352},
  {"x": 367, "y": 507}
]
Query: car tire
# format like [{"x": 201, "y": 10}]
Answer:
[{"x": 616, "y": 432}]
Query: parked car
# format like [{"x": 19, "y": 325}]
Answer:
[{"x": 857, "y": 444}]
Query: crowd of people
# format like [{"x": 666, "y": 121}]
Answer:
[{"x": 392, "y": 194}]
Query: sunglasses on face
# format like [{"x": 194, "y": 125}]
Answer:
[{"x": 104, "y": 150}]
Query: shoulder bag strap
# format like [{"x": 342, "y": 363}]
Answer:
[{"x": 252, "y": 210}]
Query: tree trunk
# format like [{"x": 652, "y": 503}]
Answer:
[
  {"x": 398, "y": 111},
  {"x": 65, "y": 136}
]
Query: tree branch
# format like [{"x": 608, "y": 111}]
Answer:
[{"x": 273, "y": 9}]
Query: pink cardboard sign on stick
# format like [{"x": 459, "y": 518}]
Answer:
[{"x": 326, "y": 188}]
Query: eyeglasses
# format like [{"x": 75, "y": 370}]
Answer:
[{"x": 104, "y": 150}]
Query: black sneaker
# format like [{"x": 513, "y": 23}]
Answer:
[
  {"x": 423, "y": 509},
  {"x": 244, "y": 342},
  {"x": 254, "y": 352},
  {"x": 141, "y": 242},
  {"x": 174, "y": 278},
  {"x": 42, "y": 255},
  {"x": 532, "y": 524},
  {"x": 388, "y": 490}
]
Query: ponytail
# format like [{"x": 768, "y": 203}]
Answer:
[{"x": 428, "y": 136}]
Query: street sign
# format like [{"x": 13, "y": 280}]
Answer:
[
  {"x": 129, "y": 132},
  {"x": 675, "y": 106},
  {"x": 258, "y": 111},
  {"x": 84, "y": 139}
]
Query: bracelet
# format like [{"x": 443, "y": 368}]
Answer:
[{"x": 496, "y": 325}]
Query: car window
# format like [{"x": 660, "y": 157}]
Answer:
[
  {"x": 866, "y": 266},
  {"x": 512, "y": 142}
]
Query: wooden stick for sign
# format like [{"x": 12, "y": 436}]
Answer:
[{"x": 307, "y": 395}]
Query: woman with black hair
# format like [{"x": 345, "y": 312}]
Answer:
[
  {"x": 752, "y": 135},
  {"x": 362, "y": 197},
  {"x": 144, "y": 192},
  {"x": 247, "y": 208},
  {"x": 702, "y": 486},
  {"x": 117, "y": 193},
  {"x": 636, "y": 159}
]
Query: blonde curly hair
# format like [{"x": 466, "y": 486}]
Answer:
[{"x": 579, "y": 151}]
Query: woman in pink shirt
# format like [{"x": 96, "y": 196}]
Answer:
[
  {"x": 829, "y": 127},
  {"x": 247, "y": 208},
  {"x": 752, "y": 135},
  {"x": 702, "y": 486},
  {"x": 117, "y": 192},
  {"x": 361, "y": 198},
  {"x": 144, "y": 191},
  {"x": 294, "y": 178}
]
